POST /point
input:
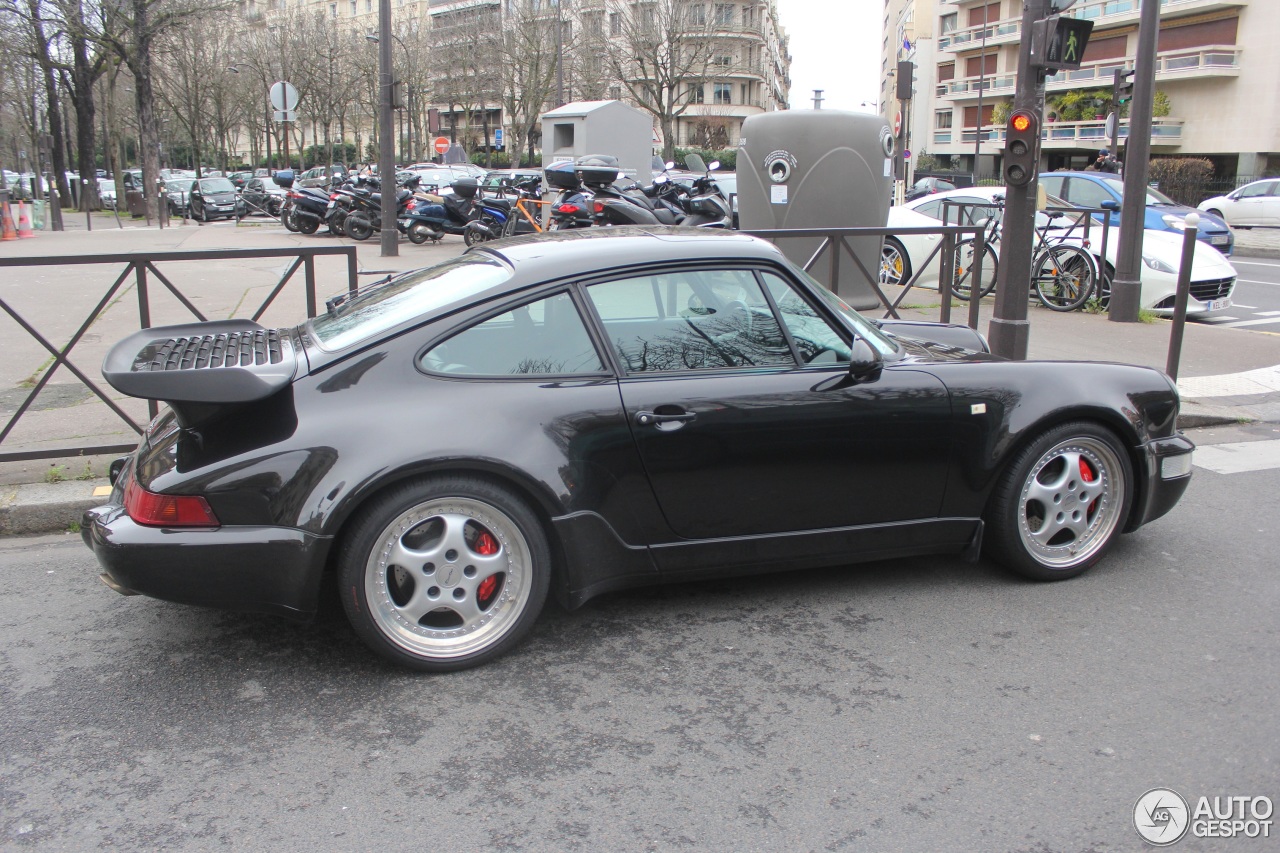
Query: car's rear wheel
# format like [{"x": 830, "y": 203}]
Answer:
[
  {"x": 1061, "y": 502},
  {"x": 895, "y": 268},
  {"x": 444, "y": 574}
]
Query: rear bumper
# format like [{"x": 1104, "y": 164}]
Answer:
[{"x": 262, "y": 569}]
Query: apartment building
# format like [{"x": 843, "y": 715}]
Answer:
[
  {"x": 749, "y": 70},
  {"x": 909, "y": 27},
  {"x": 1217, "y": 83}
]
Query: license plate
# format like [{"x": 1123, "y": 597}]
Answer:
[
  {"x": 1219, "y": 240},
  {"x": 1218, "y": 304},
  {"x": 403, "y": 222},
  {"x": 331, "y": 205}
]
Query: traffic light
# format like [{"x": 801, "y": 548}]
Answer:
[
  {"x": 1021, "y": 148},
  {"x": 906, "y": 80},
  {"x": 1123, "y": 86}
]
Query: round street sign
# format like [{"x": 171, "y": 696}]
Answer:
[
  {"x": 284, "y": 96},
  {"x": 441, "y": 144},
  {"x": 906, "y": 155},
  {"x": 897, "y": 123}
]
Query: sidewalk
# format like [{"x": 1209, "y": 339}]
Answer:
[{"x": 1226, "y": 375}]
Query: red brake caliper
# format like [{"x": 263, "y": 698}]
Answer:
[
  {"x": 486, "y": 546},
  {"x": 1086, "y": 474}
]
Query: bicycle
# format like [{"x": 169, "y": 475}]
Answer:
[{"x": 529, "y": 191}]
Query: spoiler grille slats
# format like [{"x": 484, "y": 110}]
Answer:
[{"x": 228, "y": 349}]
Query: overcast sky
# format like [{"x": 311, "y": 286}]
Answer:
[{"x": 835, "y": 46}]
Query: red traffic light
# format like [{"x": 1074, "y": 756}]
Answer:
[
  {"x": 1021, "y": 122},
  {"x": 1022, "y": 148}
]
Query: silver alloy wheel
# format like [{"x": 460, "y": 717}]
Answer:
[
  {"x": 892, "y": 264},
  {"x": 431, "y": 588},
  {"x": 1071, "y": 502}
]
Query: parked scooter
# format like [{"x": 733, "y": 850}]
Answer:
[
  {"x": 431, "y": 217},
  {"x": 304, "y": 207},
  {"x": 365, "y": 217},
  {"x": 572, "y": 208}
]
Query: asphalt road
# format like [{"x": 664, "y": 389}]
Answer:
[
  {"x": 1257, "y": 297},
  {"x": 922, "y": 704}
]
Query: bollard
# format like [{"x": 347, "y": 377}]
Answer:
[{"x": 1184, "y": 292}]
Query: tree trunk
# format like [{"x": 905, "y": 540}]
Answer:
[
  {"x": 145, "y": 99},
  {"x": 82, "y": 79},
  {"x": 54, "y": 115}
]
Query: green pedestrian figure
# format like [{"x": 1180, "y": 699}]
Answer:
[{"x": 1072, "y": 45}]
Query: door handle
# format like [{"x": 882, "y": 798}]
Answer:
[{"x": 644, "y": 418}]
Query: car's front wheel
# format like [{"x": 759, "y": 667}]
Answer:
[
  {"x": 895, "y": 268},
  {"x": 445, "y": 573},
  {"x": 1061, "y": 502}
]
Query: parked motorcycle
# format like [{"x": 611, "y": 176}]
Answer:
[
  {"x": 365, "y": 217},
  {"x": 432, "y": 217},
  {"x": 572, "y": 207}
]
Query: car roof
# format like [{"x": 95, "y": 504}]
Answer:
[{"x": 586, "y": 251}]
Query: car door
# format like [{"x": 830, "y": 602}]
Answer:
[
  {"x": 746, "y": 429},
  {"x": 1253, "y": 205}
]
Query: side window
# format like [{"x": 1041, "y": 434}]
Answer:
[
  {"x": 816, "y": 340},
  {"x": 1053, "y": 184},
  {"x": 1257, "y": 190},
  {"x": 542, "y": 338},
  {"x": 932, "y": 209},
  {"x": 690, "y": 320},
  {"x": 1084, "y": 193}
]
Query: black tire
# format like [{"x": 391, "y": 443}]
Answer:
[
  {"x": 419, "y": 233},
  {"x": 357, "y": 226},
  {"x": 289, "y": 220},
  {"x": 472, "y": 574},
  {"x": 308, "y": 224},
  {"x": 338, "y": 222},
  {"x": 1061, "y": 502},
  {"x": 475, "y": 236},
  {"x": 895, "y": 266},
  {"x": 273, "y": 207},
  {"x": 962, "y": 270},
  {"x": 509, "y": 227},
  {"x": 197, "y": 214},
  {"x": 1063, "y": 277}
]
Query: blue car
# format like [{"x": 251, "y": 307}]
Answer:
[{"x": 1099, "y": 189}]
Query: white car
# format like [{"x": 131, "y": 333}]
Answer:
[
  {"x": 1257, "y": 203},
  {"x": 1213, "y": 279},
  {"x": 107, "y": 193}
]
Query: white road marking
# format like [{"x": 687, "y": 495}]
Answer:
[
  {"x": 1239, "y": 457},
  {"x": 1262, "y": 381},
  {"x": 1262, "y": 322},
  {"x": 1220, "y": 320},
  {"x": 1252, "y": 263},
  {"x": 1267, "y": 313},
  {"x": 1255, "y": 281}
]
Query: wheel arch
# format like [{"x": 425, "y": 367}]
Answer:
[
  {"x": 537, "y": 496},
  {"x": 1111, "y": 420}
]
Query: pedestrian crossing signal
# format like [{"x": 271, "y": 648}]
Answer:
[{"x": 1058, "y": 43}]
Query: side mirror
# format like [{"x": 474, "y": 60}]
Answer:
[
  {"x": 713, "y": 165},
  {"x": 865, "y": 363},
  {"x": 1109, "y": 204}
]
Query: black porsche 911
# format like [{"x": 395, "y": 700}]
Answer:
[{"x": 590, "y": 410}]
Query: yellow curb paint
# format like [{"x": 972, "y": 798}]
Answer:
[{"x": 101, "y": 491}]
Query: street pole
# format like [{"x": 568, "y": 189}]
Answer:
[
  {"x": 386, "y": 131},
  {"x": 982, "y": 90},
  {"x": 1126, "y": 290},
  {"x": 1010, "y": 331}
]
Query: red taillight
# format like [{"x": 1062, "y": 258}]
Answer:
[
  {"x": 567, "y": 208},
  {"x": 599, "y": 207},
  {"x": 292, "y": 194},
  {"x": 167, "y": 510}
]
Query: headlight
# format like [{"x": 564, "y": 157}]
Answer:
[
  {"x": 1157, "y": 264},
  {"x": 1175, "y": 222}
]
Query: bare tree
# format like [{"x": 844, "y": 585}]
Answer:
[
  {"x": 528, "y": 71},
  {"x": 658, "y": 50}
]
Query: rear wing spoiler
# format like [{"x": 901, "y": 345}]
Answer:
[{"x": 198, "y": 367}]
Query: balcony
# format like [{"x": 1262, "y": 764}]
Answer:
[
  {"x": 1198, "y": 62},
  {"x": 1165, "y": 132},
  {"x": 1104, "y": 13}
]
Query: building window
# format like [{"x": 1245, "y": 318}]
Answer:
[
  {"x": 698, "y": 15},
  {"x": 942, "y": 119},
  {"x": 333, "y": 10},
  {"x": 353, "y": 8},
  {"x": 724, "y": 60},
  {"x": 615, "y": 92},
  {"x": 368, "y": 5},
  {"x": 948, "y": 23},
  {"x": 746, "y": 93},
  {"x": 725, "y": 14},
  {"x": 696, "y": 95},
  {"x": 615, "y": 24},
  {"x": 723, "y": 93}
]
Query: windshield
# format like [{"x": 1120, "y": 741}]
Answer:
[
  {"x": 216, "y": 185},
  {"x": 1154, "y": 196},
  {"x": 863, "y": 327},
  {"x": 177, "y": 186},
  {"x": 412, "y": 295}
]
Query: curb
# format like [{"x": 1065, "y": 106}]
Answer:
[
  {"x": 34, "y": 508},
  {"x": 1261, "y": 254}
]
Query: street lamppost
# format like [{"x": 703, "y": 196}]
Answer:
[
  {"x": 373, "y": 37},
  {"x": 386, "y": 158}
]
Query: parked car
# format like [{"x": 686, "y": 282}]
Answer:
[
  {"x": 1213, "y": 278},
  {"x": 239, "y": 179},
  {"x": 500, "y": 179},
  {"x": 928, "y": 186},
  {"x": 1253, "y": 204},
  {"x": 213, "y": 198},
  {"x": 107, "y": 192},
  {"x": 320, "y": 176},
  {"x": 583, "y": 411},
  {"x": 177, "y": 195},
  {"x": 1101, "y": 190},
  {"x": 262, "y": 196}
]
